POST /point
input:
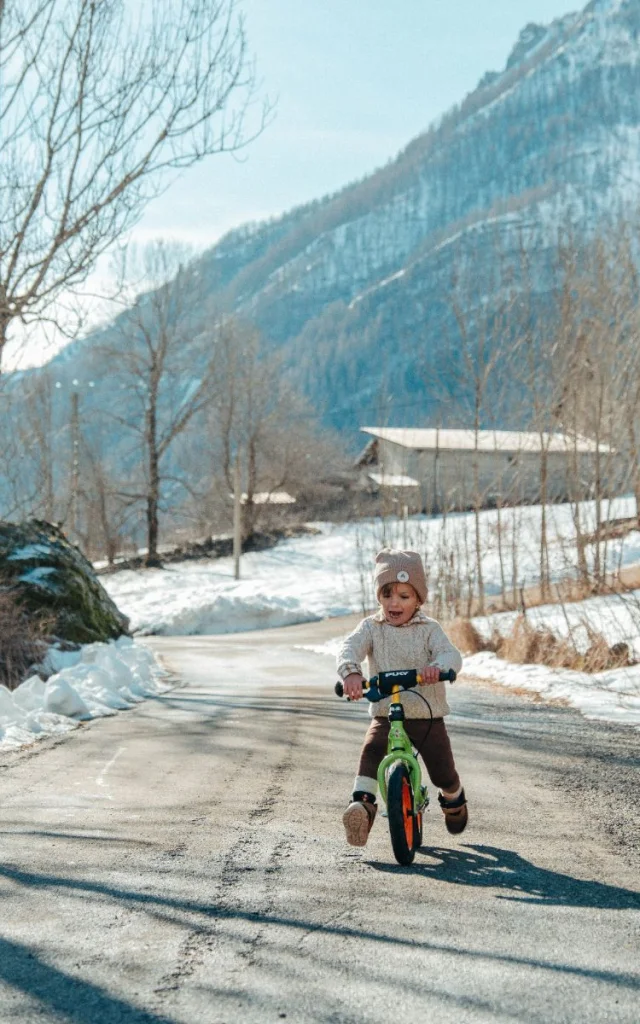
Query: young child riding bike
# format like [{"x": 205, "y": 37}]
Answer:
[{"x": 401, "y": 636}]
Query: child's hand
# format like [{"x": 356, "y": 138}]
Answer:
[
  {"x": 352, "y": 685},
  {"x": 430, "y": 674}
]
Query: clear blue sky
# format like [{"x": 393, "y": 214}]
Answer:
[{"x": 355, "y": 81}]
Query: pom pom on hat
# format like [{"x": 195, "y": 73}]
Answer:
[{"x": 400, "y": 567}]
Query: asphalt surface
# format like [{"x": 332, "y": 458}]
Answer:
[{"x": 184, "y": 862}]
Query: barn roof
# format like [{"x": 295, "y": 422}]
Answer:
[{"x": 432, "y": 439}]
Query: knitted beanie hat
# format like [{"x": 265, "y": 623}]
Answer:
[{"x": 400, "y": 567}]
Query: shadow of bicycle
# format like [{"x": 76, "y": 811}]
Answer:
[{"x": 515, "y": 877}]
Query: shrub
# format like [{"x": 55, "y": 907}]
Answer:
[
  {"x": 21, "y": 645},
  {"x": 527, "y": 644},
  {"x": 467, "y": 637}
]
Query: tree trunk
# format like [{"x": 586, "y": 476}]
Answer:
[
  {"x": 152, "y": 512},
  {"x": 514, "y": 555},
  {"x": 500, "y": 527},
  {"x": 5, "y": 319},
  {"x": 153, "y": 492},
  {"x": 544, "y": 541},
  {"x": 477, "y": 505},
  {"x": 598, "y": 569}
]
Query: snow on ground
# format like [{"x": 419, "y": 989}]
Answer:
[
  {"x": 299, "y": 580},
  {"x": 324, "y": 575},
  {"x": 96, "y": 680},
  {"x": 313, "y": 577},
  {"x": 329, "y": 574},
  {"x": 612, "y": 696},
  {"x": 615, "y": 616}
]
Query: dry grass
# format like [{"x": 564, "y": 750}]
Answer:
[
  {"x": 567, "y": 591},
  {"x": 21, "y": 645},
  {"x": 466, "y": 637},
  {"x": 538, "y": 645}
]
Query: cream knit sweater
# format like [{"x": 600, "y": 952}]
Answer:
[{"x": 420, "y": 642}]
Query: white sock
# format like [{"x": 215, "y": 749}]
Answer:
[
  {"x": 451, "y": 796},
  {"x": 363, "y": 784}
]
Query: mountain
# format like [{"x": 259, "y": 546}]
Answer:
[{"x": 356, "y": 287}]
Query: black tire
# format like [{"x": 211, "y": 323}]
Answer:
[
  {"x": 402, "y": 823},
  {"x": 417, "y": 831}
]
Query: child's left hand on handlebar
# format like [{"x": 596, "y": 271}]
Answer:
[
  {"x": 429, "y": 674},
  {"x": 353, "y": 686}
]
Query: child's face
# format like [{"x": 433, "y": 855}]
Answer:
[{"x": 399, "y": 602}]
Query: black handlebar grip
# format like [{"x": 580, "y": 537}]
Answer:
[
  {"x": 449, "y": 676},
  {"x": 339, "y": 689}
]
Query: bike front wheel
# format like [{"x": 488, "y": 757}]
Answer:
[{"x": 400, "y": 812}]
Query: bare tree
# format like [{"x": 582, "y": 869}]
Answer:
[
  {"x": 110, "y": 506},
  {"x": 484, "y": 329},
  {"x": 101, "y": 100},
  {"x": 258, "y": 419},
  {"x": 534, "y": 370},
  {"x": 164, "y": 364},
  {"x": 36, "y": 434},
  {"x": 594, "y": 350},
  {"x": 18, "y": 492}
]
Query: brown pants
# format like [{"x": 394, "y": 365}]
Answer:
[{"x": 435, "y": 749}]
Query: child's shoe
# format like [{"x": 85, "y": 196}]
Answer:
[
  {"x": 455, "y": 813},
  {"x": 358, "y": 821}
]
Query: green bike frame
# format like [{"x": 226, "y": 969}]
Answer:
[{"x": 399, "y": 748}]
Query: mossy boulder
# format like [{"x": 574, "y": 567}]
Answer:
[{"x": 56, "y": 584}]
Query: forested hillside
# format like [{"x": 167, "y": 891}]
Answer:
[
  {"x": 366, "y": 291},
  {"x": 358, "y": 287}
]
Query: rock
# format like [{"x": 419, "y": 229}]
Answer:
[{"x": 56, "y": 584}]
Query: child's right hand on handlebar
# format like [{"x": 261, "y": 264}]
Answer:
[{"x": 353, "y": 686}]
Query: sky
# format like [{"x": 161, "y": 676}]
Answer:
[{"x": 352, "y": 82}]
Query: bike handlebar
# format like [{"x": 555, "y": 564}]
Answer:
[{"x": 381, "y": 686}]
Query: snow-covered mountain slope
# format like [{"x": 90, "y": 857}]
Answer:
[
  {"x": 553, "y": 138},
  {"x": 356, "y": 286}
]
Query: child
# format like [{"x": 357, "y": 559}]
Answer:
[{"x": 400, "y": 636}]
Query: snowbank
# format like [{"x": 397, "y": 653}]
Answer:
[
  {"x": 98, "y": 679},
  {"x": 300, "y": 580},
  {"x": 615, "y": 616},
  {"x": 315, "y": 577},
  {"x": 612, "y": 696}
]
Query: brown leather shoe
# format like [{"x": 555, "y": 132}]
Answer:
[
  {"x": 455, "y": 811},
  {"x": 358, "y": 821}
]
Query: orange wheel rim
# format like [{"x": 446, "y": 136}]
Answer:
[{"x": 407, "y": 812}]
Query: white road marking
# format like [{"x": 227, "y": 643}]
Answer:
[{"x": 102, "y": 777}]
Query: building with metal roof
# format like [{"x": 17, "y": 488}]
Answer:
[{"x": 433, "y": 468}]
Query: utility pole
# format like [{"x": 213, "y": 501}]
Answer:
[
  {"x": 75, "y": 460},
  {"x": 237, "y": 518},
  {"x": 74, "y": 481}
]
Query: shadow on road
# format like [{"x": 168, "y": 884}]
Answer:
[
  {"x": 483, "y": 867},
  {"x": 520, "y": 880},
  {"x": 63, "y": 995}
]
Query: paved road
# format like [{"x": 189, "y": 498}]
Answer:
[{"x": 184, "y": 862}]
